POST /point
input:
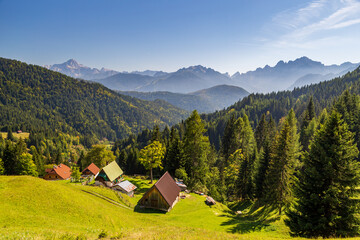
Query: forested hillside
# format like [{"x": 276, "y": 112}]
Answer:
[
  {"x": 278, "y": 104},
  {"x": 33, "y": 98}
]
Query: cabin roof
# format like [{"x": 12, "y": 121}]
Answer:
[
  {"x": 112, "y": 171},
  {"x": 126, "y": 186},
  {"x": 62, "y": 170},
  {"x": 168, "y": 188},
  {"x": 92, "y": 168}
]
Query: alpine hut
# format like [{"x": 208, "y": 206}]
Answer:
[
  {"x": 109, "y": 175},
  {"x": 60, "y": 172},
  {"x": 163, "y": 195},
  {"x": 91, "y": 170},
  {"x": 125, "y": 187}
]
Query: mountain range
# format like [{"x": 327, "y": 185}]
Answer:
[
  {"x": 287, "y": 75},
  {"x": 282, "y": 76},
  {"x": 73, "y": 69},
  {"x": 205, "y": 101}
]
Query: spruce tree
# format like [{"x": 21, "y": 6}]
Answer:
[
  {"x": 228, "y": 143},
  {"x": 284, "y": 160},
  {"x": 264, "y": 158},
  {"x": 262, "y": 170},
  {"x": 261, "y": 132},
  {"x": 196, "y": 148},
  {"x": 10, "y": 135},
  {"x": 308, "y": 125},
  {"x": 246, "y": 142},
  {"x": 156, "y": 135},
  {"x": 348, "y": 106},
  {"x": 10, "y": 158},
  {"x": 326, "y": 203},
  {"x": 38, "y": 160},
  {"x": 172, "y": 159},
  {"x": 231, "y": 174}
]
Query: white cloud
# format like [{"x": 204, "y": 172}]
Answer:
[
  {"x": 319, "y": 20},
  {"x": 292, "y": 19}
]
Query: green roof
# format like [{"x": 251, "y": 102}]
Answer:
[{"x": 112, "y": 170}]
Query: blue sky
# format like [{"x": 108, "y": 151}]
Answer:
[{"x": 227, "y": 35}]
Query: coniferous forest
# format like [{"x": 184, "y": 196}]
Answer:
[{"x": 297, "y": 151}]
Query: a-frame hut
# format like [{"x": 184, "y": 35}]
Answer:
[
  {"x": 109, "y": 175},
  {"x": 163, "y": 195}
]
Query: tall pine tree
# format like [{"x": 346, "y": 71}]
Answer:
[
  {"x": 246, "y": 142},
  {"x": 326, "y": 203},
  {"x": 308, "y": 125},
  {"x": 196, "y": 148},
  {"x": 283, "y": 163}
]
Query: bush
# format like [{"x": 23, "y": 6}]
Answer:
[{"x": 103, "y": 234}]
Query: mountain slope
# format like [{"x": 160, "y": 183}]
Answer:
[
  {"x": 204, "y": 101},
  {"x": 185, "y": 101},
  {"x": 74, "y": 69},
  {"x": 125, "y": 81},
  {"x": 33, "y": 98},
  {"x": 285, "y": 74},
  {"x": 222, "y": 96}
]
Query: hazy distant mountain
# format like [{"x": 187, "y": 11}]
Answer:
[
  {"x": 181, "y": 100},
  {"x": 222, "y": 96},
  {"x": 125, "y": 81},
  {"x": 311, "y": 79},
  {"x": 284, "y": 75},
  {"x": 187, "y": 80},
  {"x": 206, "y": 100},
  {"x": 150, "y": 73},
  {"x": 316, "y": 78},
  {"x": 73, "y": 69}
]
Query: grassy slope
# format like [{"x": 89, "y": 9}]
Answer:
[{"x": 35, "y": 208}]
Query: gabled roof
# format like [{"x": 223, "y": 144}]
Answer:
[
  {"x": 62, "y": 170},
  {"x": 168, "y": 188},
  {"x": 126, "y": 186},
  {"x": 112, "y": 171},
  {"x": 92, "y": 168}
]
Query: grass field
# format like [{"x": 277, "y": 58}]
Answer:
[
  {"x": 32, "y": 208},
  {"x": 17, "y": 135}
]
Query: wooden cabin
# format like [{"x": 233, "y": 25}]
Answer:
[
  {"x": 163, "y": 195},
  {"x": 125, "y": 187},
  {"x": 91, "y": 170},
  {"x": 109, "y": 175},
  {"x": 60, "y": 172}
]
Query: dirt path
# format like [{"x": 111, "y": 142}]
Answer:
[{"x": 107, "y": 199}]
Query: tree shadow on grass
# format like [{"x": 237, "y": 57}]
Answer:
[{"x": 255, "y": 218}]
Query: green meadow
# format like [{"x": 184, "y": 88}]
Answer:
[{"x": 32, "y": 208}]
